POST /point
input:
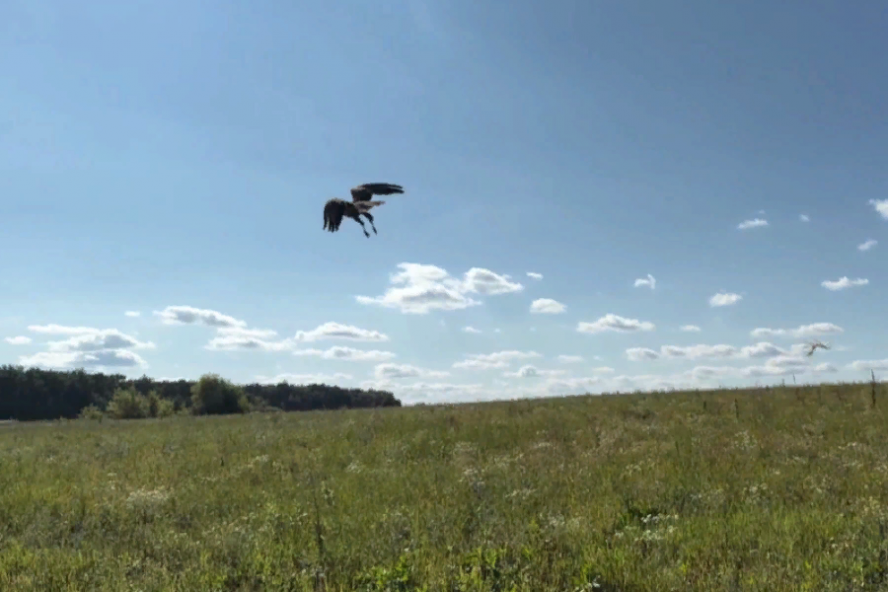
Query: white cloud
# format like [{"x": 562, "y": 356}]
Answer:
[
  {"x": 867, "y": 365},
  {"x": 762, "y": 349},
  {"x": 867, "y": 245},
  {"x": 470, "y": 329},
  {"x": 108, "y": 358},
  {"x": 843, "y": 283},
  {"x": 689, "y": 328},
  {"x": 238, "y": 338},
  {"x": 802, "y": 332},
  {"x": 546, "y": 306},
  {"x": 638, "y": 354},
  {"x": 603, "y": 370},
  {"x": 348, "y": 354},
  {"x": 612, "y": 322},
  {"x": 98, "y": 340},
  {"x": 725, "y": 299},
  {"x": 19, "y": 340},
  {"x": 534, "y": 275},
  {"x": 650, "y": 282},
  {"x": 484, "y": 281},
  {"x": 804, "y": 218},
  {"x": 881, "y": 207},
  {"x": 756, "y": 223},
  {"x": 54, "y": 329},
  {"x": 86, "y": 347},
  {"x": 419, "y": 289},
  {"x": 297, "y": 379},
  {"x": 339, "y": 331},
  {"x": 529, "y": 371},
  {"x": 565, "y": 359},
  {"x": 188, "y": 315},
  {"x": 133, "y": 313},
  {"x": 395, "y": 371},
  {"x": 495, "y": 360},
  {"x": 694, "y": 352},
  {"x": 434, "y": 391}
]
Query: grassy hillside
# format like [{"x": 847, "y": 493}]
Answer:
[{"x": 779, "y": 489}]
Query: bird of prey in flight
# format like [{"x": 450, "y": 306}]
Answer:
[
  {"x": 813, "y": 346},
  {"x": 360, "y": 205}
]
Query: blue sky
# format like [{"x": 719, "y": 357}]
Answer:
[{"x": 173, "y": 160}]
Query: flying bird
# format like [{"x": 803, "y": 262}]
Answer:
[
  {"x": 360, "y": 205},
  {"x": 813, "y": 346}
]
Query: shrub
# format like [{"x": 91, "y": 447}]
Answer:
[
  {"x": 128, "y": 404},
  {"x": 160, "y": 407},
  {"x": 91, "y": 412},
  {"x": 213, "y": 395}
]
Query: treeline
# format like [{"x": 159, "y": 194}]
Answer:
[{"x": 35, "y": 394}]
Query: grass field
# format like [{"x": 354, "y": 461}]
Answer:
[{"x": 778, "y": 489}]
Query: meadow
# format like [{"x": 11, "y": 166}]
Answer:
[{"x": 762, "y": 489}]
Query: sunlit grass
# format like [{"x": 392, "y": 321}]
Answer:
[{"x": 779, "y": 489}]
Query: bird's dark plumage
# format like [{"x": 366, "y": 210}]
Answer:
[{"x": 335, "y": 209}]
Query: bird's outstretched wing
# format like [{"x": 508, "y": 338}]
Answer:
[
  {"x": 366, "y": 191},
  {"x": 333, "y": 212}
]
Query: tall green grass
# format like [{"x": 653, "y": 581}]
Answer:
[{"x": 774, "y": 489}]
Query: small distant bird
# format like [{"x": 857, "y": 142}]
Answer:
[
  {"x": 360, "y": 205},
  {"x": 814, "y": 345}
]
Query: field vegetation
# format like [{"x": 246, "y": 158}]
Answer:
[{"x": 769, "y": 489}]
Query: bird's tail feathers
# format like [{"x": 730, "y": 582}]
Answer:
[{"x": 366, "y": 205}]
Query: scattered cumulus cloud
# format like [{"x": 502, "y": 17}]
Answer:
[
  {"x": 529, "y": 371},
  {"x": 690, "y": 328},
  {"x": 19, "y": 340},
  {"x": 484, "y": 281},
  {"x": 843, "y": 283},
  {"x": 296, "y": 379},
  {"x": 237, "y": 338},
  {"x": 86, "y": 347},
  {"x": 801, "y": 332},
  {"x": 867, "y": 365},
  {"x": 725, "y": 299},
  {"x": 495, "y": 360},
  {"x": 133, "y": 313},
  {"x": 639, "y": 354},
  {"x": 97, "y": 340},
  {"x": 189, "y": 315},
  {"x": 546, "y": 306},
  {"x": 112, "y": 358},
  {"x": 881, "y": 207},
  {"x": 470, "y": 329},
  {"x": 419, "y": 289},
  {"x": 347, "y": 354},
  {"x": 53, "y": 329},
  {"x": 433, "y": 391},
  {"x": 776, "y": 356},
  {"x": 867, "y": 245},
  {"x": 612, "y": 322},
  {"x": 650, "y": 282},
  {"x": 755, "y": 223},
  {"x": 566, "y": 359},
  {"x": 534, "y": 275},
  {"x": 339, "y": 331},
  {"x": 397, "y": 371}
]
